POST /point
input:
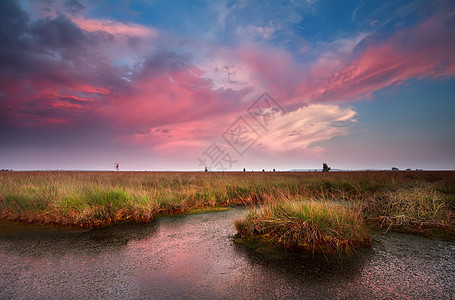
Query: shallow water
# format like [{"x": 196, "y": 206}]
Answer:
[{"x": 195, "y": 257}]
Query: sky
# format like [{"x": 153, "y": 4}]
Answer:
[{"x": 227, "y": 85}]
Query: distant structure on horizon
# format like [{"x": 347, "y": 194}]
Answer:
[{"x": 325, "y": 167}]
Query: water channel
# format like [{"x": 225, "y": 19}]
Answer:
[{"x": 195, "y": 257}]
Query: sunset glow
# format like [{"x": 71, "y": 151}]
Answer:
[{"x": 358, "y": 84}]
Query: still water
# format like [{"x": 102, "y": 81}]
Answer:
[{"x": 195, "y": 257}]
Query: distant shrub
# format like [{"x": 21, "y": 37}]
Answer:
[{"x": 325, "y": 167}]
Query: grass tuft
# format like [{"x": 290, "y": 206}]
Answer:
[{"x": 326, "y": 227}]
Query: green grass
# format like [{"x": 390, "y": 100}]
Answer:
[
  {"x": 322, "y": 226},
  {"x": 102, "y": 198}
]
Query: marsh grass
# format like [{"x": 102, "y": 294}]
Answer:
[
  {"x": 413, "y": 207},
  {"x": 102, "y": 198},
  {"x": 314, "y": 226}
]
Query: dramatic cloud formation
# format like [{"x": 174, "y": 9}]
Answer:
[
  {"x": 155, "y": 85},
  {"x": 353, "y": 69},
  {"x": 51, "y": 70}
]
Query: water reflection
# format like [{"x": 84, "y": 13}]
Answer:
[
  {"x": 42, "y": 240},
  {"x": 308, "y": 267}
]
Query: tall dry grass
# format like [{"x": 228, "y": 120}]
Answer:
[
  {"x": 417, "y": 206},
  {"x": 101, "y": 198},
  {"x": 316, "y": 226}
]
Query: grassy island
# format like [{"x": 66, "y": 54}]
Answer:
[{"x": 322, "y": 226}]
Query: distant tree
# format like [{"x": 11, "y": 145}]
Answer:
[
  {"x": 263, "y": 170},
  {"x": 116, "y": 166},
  {"x": 325, "y": 167},
  {"x": 244, "y": 170},
  {"x": 206, "y": 170},
  {"x": 273, "y": 170},
  {"x": 395, "y": 169}
]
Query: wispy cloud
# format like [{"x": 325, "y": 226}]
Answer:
[
  {"x": 114, "y": 27},
  {"x": 301, "y": 128}
]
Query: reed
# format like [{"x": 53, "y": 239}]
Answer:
[
  {"x": 102, "y": 198},
  {"x": 409, "y": 208},
  {"x": 314, "y": 226}
]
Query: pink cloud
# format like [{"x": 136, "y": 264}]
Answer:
[
  {"x": 167, "y": 90},
  {"x": 425, "y": 51},
  {"x": 66, "y": 105},
  {"x": 87, "y": 88},
  {"x": 55, "y": 121},
  {"x": 114, "y": 27},
  {"x": 301, "y": 128},
  {"x": 38, "y": 102},
  {"x": 354, "y": 69},
  {"x": 163, "y": 99},
  {"x": 191, "y": 135},
  {"x": 295, "y": 130},
  {"x": 272, "y": 67}
]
